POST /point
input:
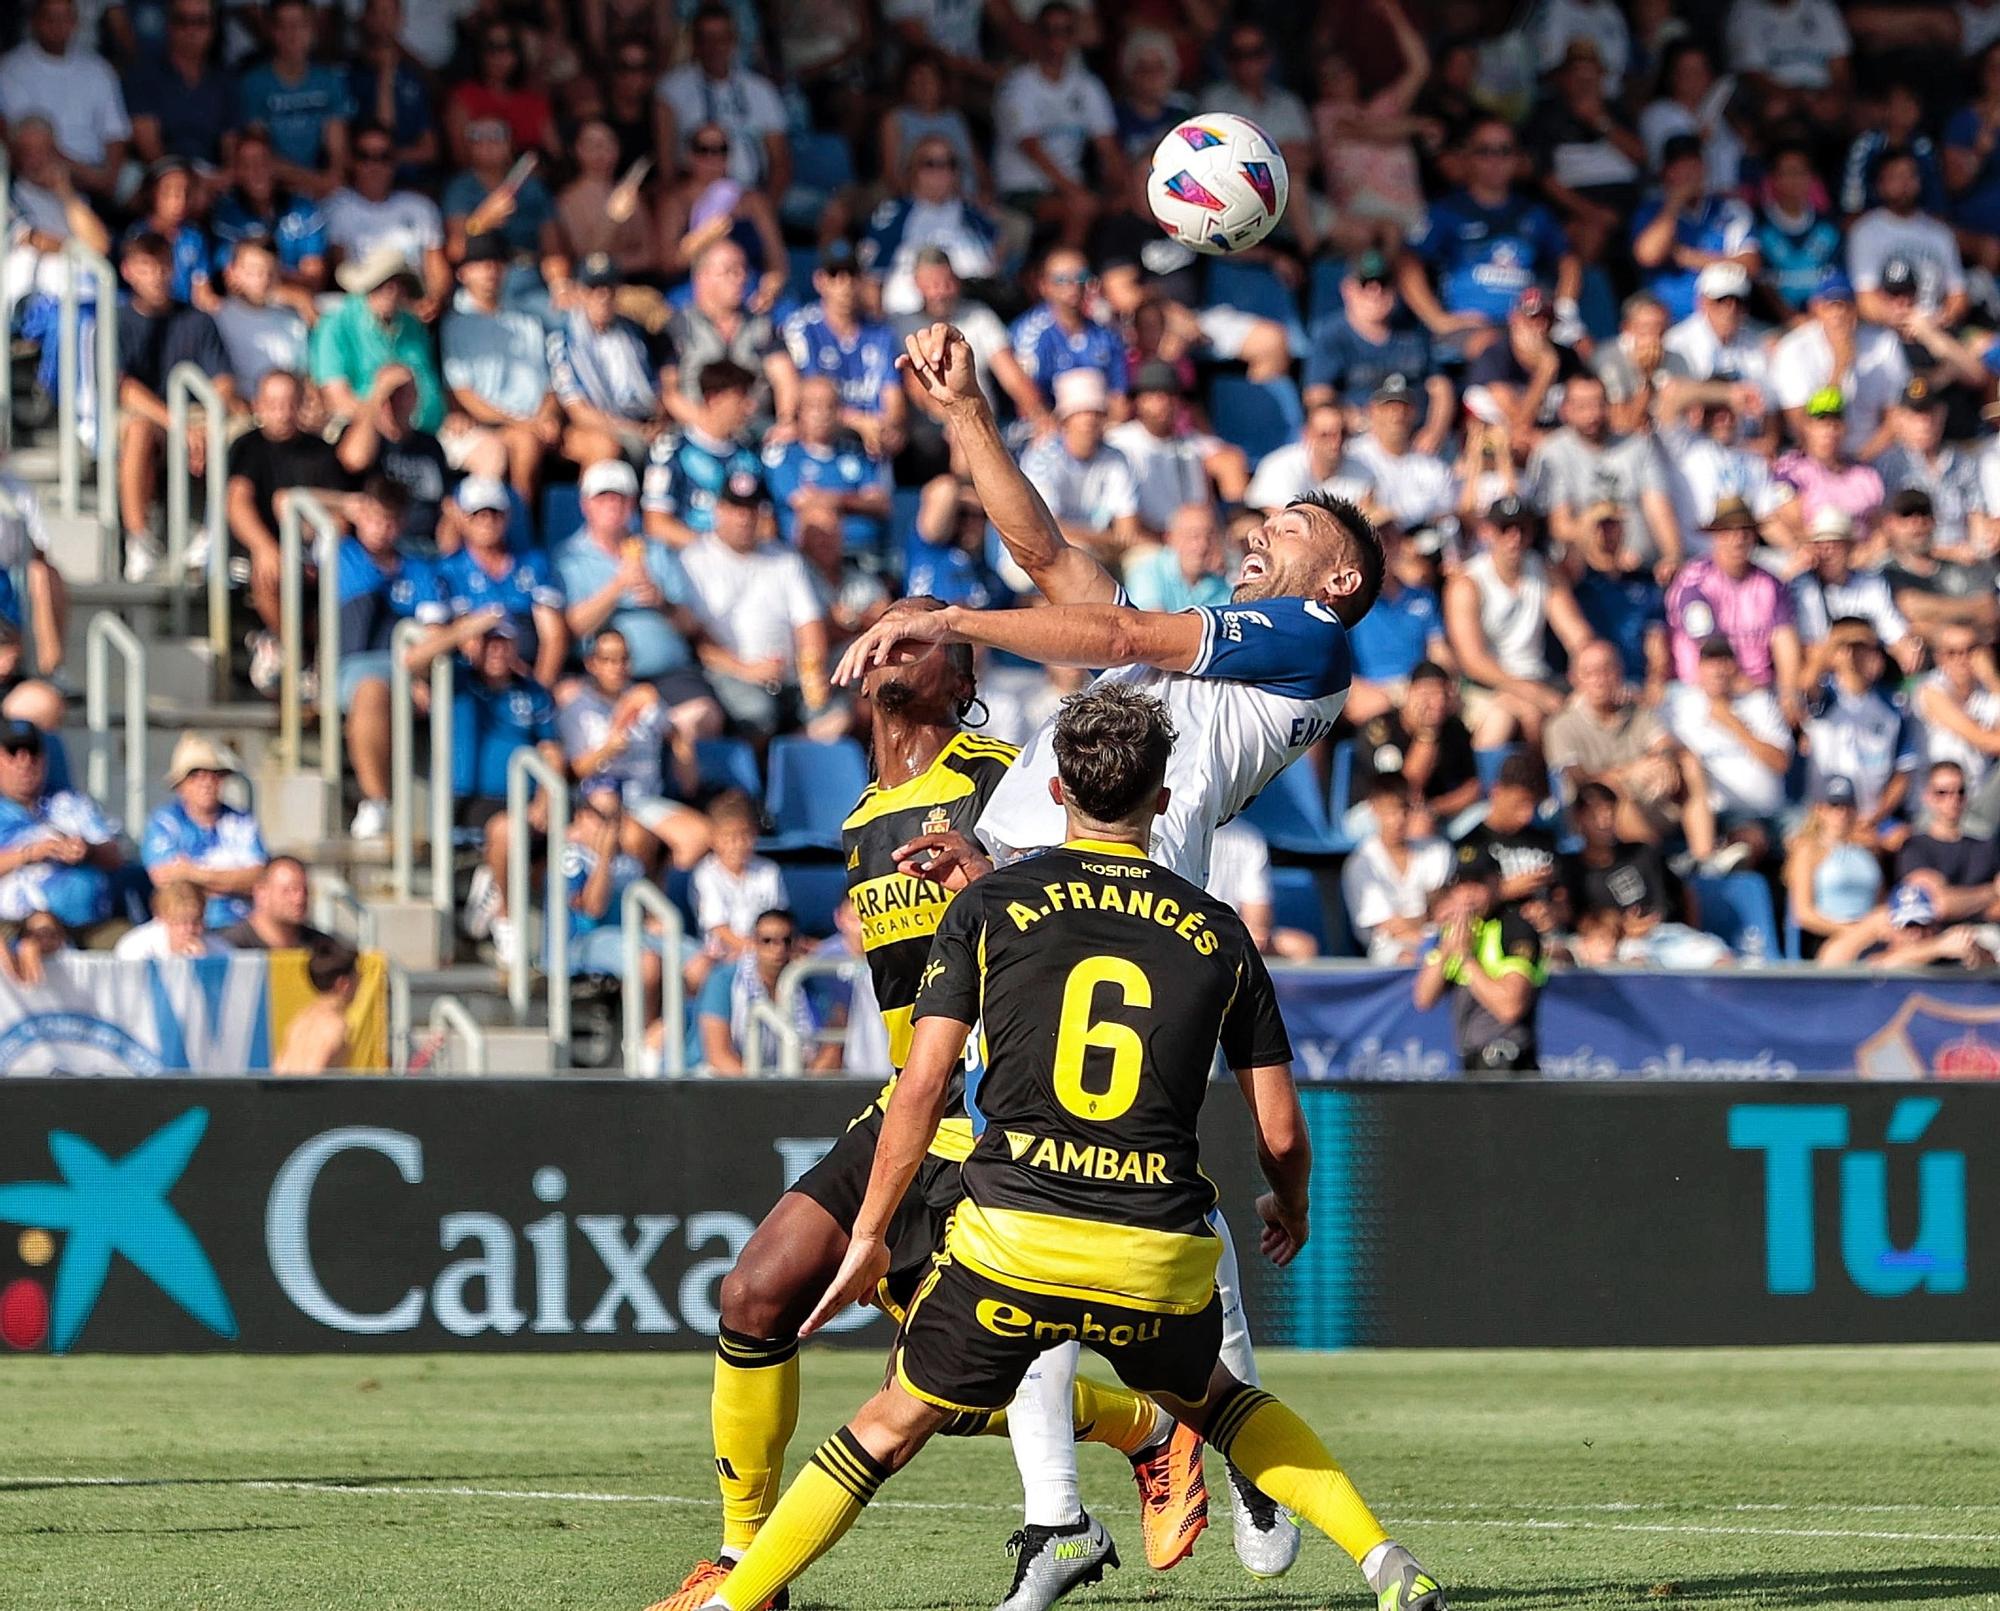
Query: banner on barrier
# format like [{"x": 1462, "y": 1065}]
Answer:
[
  {"x": 1724, "y": 1024},
  {"x": 305, "y": 1216},
  {"x": 97, "y": 1014}
]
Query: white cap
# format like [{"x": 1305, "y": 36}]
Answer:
[
  {"x": 608, "y": 475},
  {"x": 1081, "y": 391},
  {"x": 1723, "y": 279},
  {"x": 477, "y": 492},
  {"x": 1832, "y": 525}
]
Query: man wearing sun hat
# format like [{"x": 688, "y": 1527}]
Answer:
[
  {"x": 198, "y": 838},
  {"x": 373, "y": 326},
  {"x": 1087, "y": 483}
]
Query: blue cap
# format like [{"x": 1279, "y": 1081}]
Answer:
[
  {"x": 1911, "y": 907},
  {"x": 1834, "y": 286}
]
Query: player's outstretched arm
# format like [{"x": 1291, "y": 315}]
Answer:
[
  {"x": 939, "y": 359},
  {"x": 909, "y": 1125},
  {"x": 1284, "y": 1153},
  {"x": 1088, "y": 635}
]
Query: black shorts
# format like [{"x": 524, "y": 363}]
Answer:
[
  {"x": 839, "y": 1182},
  {"x": 968, "y": 1341}
]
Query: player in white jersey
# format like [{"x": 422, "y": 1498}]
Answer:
[{"x": 1250, "y": 685}]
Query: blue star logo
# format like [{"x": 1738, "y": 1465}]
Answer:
[{"x": 104, "y": 1208}]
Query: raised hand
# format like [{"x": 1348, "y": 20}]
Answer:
[
  {"x": 939, "y": 359},
  {"x": 873, "y": 647}
]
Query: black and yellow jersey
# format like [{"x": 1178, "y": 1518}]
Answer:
[
  {"x": 1103, "y": 983},
  {"x": 899, "y": 913}
]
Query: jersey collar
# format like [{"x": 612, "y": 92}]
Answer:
[{"x": 1105, "y": 847}]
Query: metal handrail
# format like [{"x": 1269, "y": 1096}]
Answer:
[
  {"x": 399, "y": 1014},
  {"x": 105, "y": 633},
  {"x": 643, "y": 896},
  {"x": 403, "y": 769},
  {"x": 302, "y": 509},
  {"x": 448, "y": 1016},
  {"x": 332, "y": 892},
  {"x": 187, "y": 384},
  {"x": 523, "y": 764},
  {"x": 79, "y": 260},
  {"x": 780, "y": 1013}
]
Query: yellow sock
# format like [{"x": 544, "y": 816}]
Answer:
[
  {"x": 754, "y": 1410},
  {"x": 1284, "y": 1457},
  {"x": 823, "y": 1501},
  {"x": 1115, "y": 1416}
]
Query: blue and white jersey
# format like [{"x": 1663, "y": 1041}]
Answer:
[
  {"x": 863, "y": 365},
  {"x": 299, "y": 232},
  {"x": 793, "y": 467},
  {"x": 1267, "y": 684},
  {"x": 1046, "y": 350},
  {"x": 686, "y": 472},
  {"x": 85, "y": 892},
  {"x": 1484, "y": 257},
  {"x": 615, "y": 369},
  {"x": 232, "y": 843},
  {"x": 469, "y": 587},
  {"x": 373, "y": 598}
]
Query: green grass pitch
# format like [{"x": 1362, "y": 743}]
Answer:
[{"x": 1819, "y": 1478}]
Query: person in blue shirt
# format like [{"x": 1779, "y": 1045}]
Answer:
[
  {"x": 487, "y": 572},
  {"x": 1683, "y": 227},
  {"x": 833, "y": 338},
  {"x": 1620, "y": 597},
  {"x": 478, "y": 201},
  {"x": 597, "y": 871},
  {"x": 1188, "y": 569},
  {"x": 164, "y": 206},
  {"x": 1373, "y": 336},
  {"x": 1797, "y": 242},
  {"x": 1895, "y": 123},
  {"x": 180, "y": 102},
  {"x": 58, "y": 850},
  {"x": 1484, "y": 245},
  {"x": 381, "y": 581},
  {"x": 945, "y": 556},
  {"x": 1057, "y": 334},
  {"x": 1405, "y": 628},
  {"x": 387, "y": 89},
  {"x": 257, "y": 203},
  {"x": 304, "y": 106},
  {"x": 617, "y": 580},
  {"x": 687, "y": 469},
  {"x": 197, "y": 838},
  {"x": 723, "y": 1019},
  {"x": 828, "y": 462}
]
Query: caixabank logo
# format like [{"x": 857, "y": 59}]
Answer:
[{"x": 100, "y": 1208}]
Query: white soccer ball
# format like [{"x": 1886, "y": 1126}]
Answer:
[{"x": 1218, "y": 183}]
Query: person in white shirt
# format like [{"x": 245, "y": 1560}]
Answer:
[
  {"x": 1317, "y": 462},
  {"x": 1960, "y": 714},
  {"x": 764, "y": 642},
  {"x": 259, "y": 333},
  {"x": 1704, "y": 465},
  {"x": 1250, "y": 91},
  {"x": 1047, "y": 114},
  {"x": 1741, "y": 740},
  {"x": 1389, "y": 880},
  {"x": 1239, "y": 873},
  {"x": 1412, "y": 487},
  {"x": 1833, "y": 590},
  {"x": 1172, "y": 468},
  {"x": 1859, "y": 734},
  {"x": 1832, "y": 348},
  {"x": 372, "y": 213},
  {"x": 1899, "y": 228},
  {"x": 1796, "y": 52},
  {"x": 1717, "y": 347},
  {"x": 732, "y": 886},
  {"x": 1087, "y": 484},
  {"x": 712, "y": 88},
  {"x": 177, "y": 928},
  {"x": 53, "y": 75}
]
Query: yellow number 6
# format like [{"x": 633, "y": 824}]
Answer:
[{"x": 1077, "y": 1034}]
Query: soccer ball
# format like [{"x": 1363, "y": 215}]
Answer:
[{"x": 1218, "y": 183}]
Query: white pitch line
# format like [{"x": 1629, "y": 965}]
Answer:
[{"x": 1456, "y": 1515}]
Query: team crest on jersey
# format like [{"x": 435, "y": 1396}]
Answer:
[
  {"x": 938, "y": 820},
  {"x": 932, "y": 972}
]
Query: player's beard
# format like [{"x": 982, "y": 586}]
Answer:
[{"x": 894, "y": 697}]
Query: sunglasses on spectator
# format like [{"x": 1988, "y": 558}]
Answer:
[{"x": 710, "y": 148}]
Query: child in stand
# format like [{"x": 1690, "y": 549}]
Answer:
[{"x": 732, "y": 884}]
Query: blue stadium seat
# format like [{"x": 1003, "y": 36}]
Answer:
[
  {"x": 1490, "y": 762},
  {"x": 1295, "y": 903},
  {"x": 1737, "y": 909},
  {"x": 1340, "y": 799},
  {"x": 1291, "y": 813},
  {"x": 800, "y": 262},
  {"x": 1259, "y": 416},
  {"x": 822, "y": 167},
  {"x": 812, "y": 788},
  {"x": 562, "y": 510},
  {"x": 680, "y": 890},
  {"x": 815, "y": 888},
  {"x": 728, "y": 763},
  {"x": 904, "y": 502},
  {"x": 1795, "y": 940},
  {"x": 1254, "y": 288},
  {"x": 1323, "y": 290}
]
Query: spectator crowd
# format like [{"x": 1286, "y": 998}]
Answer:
[{"x": 1658, "y": 341}]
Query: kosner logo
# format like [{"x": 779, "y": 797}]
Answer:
[
  {"x": 483, "y": 1289},
  {"x": 1790, "y": 1135}
]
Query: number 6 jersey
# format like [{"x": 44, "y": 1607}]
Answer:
[{"x": 1103, "y": 983}]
